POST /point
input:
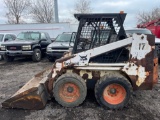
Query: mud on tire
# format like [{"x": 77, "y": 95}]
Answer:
[
  {"x": 69, "y": 90},
  {"x": 113, "y": 91}
]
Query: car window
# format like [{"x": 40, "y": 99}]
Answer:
[
  {"x": 28, "y": 36},
  {"x": 43, "y": 36},
  {"x": 73, "y": 37},
  {"x": 34, "y": 36},
  {"x": 47, "y": 36},
  {"x": 13, "y": 36},
  {"x": 63, "y": 38},
  {"x": 8, "y": 37},
  {"x": 1, "y": 37}
]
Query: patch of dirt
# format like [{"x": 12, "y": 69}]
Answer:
[{"x": 143, "y": 104}]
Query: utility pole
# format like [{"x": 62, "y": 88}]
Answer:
[{"x": 56, "y": 11}]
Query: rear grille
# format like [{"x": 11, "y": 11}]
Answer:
[{"x": 13, "y": 47}]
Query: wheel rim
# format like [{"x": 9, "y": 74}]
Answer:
[
  {"x": 38, "y": 55},
  {"x": 69, "y": 92},
  {"x": 114, "y": 94}
]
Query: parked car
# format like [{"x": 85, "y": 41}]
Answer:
[
  {"x": 61, "y": 44},
  {"x": 129, "y": 32},
  {"x": 31, "y": 44},
  {"x": 4, "y": 37}
]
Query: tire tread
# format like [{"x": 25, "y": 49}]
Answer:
[
  {"x": 71, "y": 75},
  {"x": 103, "y": 79}
]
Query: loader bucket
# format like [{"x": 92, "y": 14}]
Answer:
[{"x": 33, "y": 95}]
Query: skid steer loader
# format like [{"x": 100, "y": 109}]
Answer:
[{"x": 101, "y": 53}]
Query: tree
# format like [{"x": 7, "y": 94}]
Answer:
[
  {"x": 16, "y": 9},
  {"x": 144, "y": 17},
  {"x": 82, "y": 6},
  {"x": 42, "y": 11}
]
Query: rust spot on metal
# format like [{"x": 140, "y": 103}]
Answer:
[
  {"x": 58, "y": 72},
  {"x": 85, "y": 76},
  {"x": 142, "y": 37},
  {"x": 69, "y": 92},
  {"x": 52, "y": 79},
  {"x": 76, "y": 71},
  {"x": 155, "y": 71},
  {"x": 31, "y": 99},
  {"x": 153, "y": 47},
  {"x": 96, "y": 75},
  {"x": 64, "y": 58},
  {"x": 88, "y": 71},
  {"x": 50, "y": 85},
  {"x": 145, "y": 75}
]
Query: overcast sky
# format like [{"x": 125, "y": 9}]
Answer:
[{"x": 131, "y": 7}]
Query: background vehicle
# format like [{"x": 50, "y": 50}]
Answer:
[
  {"x": 153, "y": 26},
  {"x": 114, "y": 63},
  {"x": 4, "y": 37},
  {"x": 32, "y": 44},
  {"x": 61, "y": 44},
  {"x": 129, "y": 32}
]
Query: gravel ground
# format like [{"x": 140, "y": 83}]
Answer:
[{"x": 143, "y": 104}]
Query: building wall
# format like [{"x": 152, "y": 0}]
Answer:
[{"x": 53, "y": 29}]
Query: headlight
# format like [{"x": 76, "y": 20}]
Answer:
[
  {"x": 26, "y": 47},
  {"x": 48, "y": 48},
  {"x": 2, "y": 47}
]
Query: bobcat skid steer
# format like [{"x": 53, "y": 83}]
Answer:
[{"x": 102, "y": 54}]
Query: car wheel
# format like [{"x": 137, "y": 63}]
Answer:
[
  {"x": 36, "y": 57},
  {"x": 8, "y": 58},
  {"x": 113, "y": 91},
  {"x": 69, "y": 90}
]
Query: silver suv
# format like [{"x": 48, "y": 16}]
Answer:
[
  {"x": 129, "y": 32},
  {"x": 61, "y": 44}
]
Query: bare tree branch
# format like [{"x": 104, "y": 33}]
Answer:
[
  {"x": 82, "y": 6},
  {"x": 144, "y": 17},
  {"x": 16, "y": 9},
  {"x": 68, "y": 20},
  {"x": 42, "y": 11}
]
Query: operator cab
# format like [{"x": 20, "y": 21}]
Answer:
[{"x": 100, "y": 30}]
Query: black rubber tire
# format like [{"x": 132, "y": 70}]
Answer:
[
  {"x": 8, "y": 58},
  {"x": 70, "y": 78},
  {"x": 112, "y": 78},
  {"x": 37, "y": 55},
  {"x": 1, "y": 58}
]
